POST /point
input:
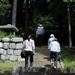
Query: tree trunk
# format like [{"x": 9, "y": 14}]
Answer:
[
  {"x": 26, "y": 20},
  {"x": 14, "y": 12},
  {"x": 32, "y": 10},
  {"x": 69, "y": 26}
]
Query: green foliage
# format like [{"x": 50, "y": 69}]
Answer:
[
  {"x": 68, "y": 56},
  {"x": 4, "y": 11},
  {"x": 4, "y": 34},
  {"x": 69, "y": 0},
  {"x": 4, "y": 7},
  {"x": 46, "y": 21},
  {"x": 11, "y": 36}
]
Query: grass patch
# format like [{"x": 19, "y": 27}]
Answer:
[
  {"x": 68, "y": 56},
  {"x": 7, "y": 68}
]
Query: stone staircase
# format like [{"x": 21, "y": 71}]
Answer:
[
  {"x": 42, "y": 58},
  {"x": 42, "y": 66},
  {"x": 42, "y": 71}
]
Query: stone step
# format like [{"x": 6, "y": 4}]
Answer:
[
  {"x": 42, "y": 58},
  {"x": 42, "y": 71}
]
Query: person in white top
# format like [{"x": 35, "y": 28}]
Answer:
[
  {"x": 54, "y": 51},
  {"x": 50, "y": 39},
  {"x": 29, "y": 47}
]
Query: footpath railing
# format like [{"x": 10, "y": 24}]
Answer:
[{"x": 42, "y": 71}]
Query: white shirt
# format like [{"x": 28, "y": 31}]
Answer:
[
  {"x": 54, "y": 46},
  {"x": 50, "y": 40},
  {"x": 28, "y": 45}
]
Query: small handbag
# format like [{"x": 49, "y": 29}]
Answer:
[{"x": 23, "y": 54}]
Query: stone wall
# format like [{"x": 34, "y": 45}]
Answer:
[{"x": 10, "y": 49}]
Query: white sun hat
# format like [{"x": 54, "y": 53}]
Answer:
[{"x": 51, "y": 35}]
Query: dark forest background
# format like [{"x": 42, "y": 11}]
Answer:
[{"x": 52, "y": 14}]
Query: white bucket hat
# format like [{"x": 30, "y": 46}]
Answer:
[{"x": 51, "y": 35}]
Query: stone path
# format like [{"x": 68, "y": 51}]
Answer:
[
  {"x": 41, "y": 65},
  {"x": 42, "y": 58}
]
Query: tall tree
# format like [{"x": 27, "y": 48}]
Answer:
[
  {"x": 26, "y": 19},
  {"x": 69, "y": 25},
  {"x": 69, "y": 21},
  {"x": 14, "y": 12}
]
